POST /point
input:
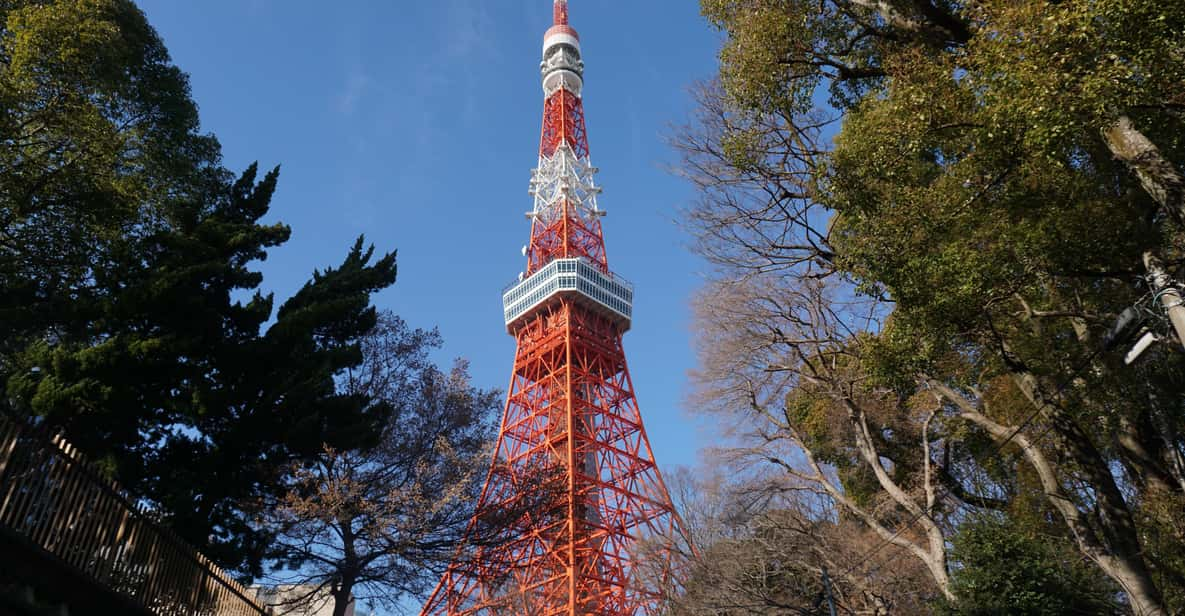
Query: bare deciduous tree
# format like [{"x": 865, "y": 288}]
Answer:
[
  {"x": 766, "y": 551},
  {"x": 783, "y": 363},
  {"x": 380, "y": 524}
]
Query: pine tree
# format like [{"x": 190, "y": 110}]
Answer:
[{"x": 124, "y": 244}]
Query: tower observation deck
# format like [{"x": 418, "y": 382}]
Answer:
[{"x": 598, "y": 531}]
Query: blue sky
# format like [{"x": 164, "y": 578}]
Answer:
[{"x": 417, "y": 123}]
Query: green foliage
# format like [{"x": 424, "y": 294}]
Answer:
[
  {"x": 124, "y": 247},
  {"x": 1003, "y": 570},
  {"x": 772, "y": 56},
  {"x": 1078, "y": 64},
  {"x": 976, "y": 185},
  {"x": 951, "y": 210}
]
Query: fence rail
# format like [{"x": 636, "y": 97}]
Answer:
[{"x": 54, "y": 498}]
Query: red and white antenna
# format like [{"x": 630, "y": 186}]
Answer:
[{"x": 559, "y": 11}]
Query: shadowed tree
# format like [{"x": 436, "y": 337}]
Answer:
[
  {"x": 1007, "y": 570},
  {"x": 130, "y": 317},
  {"x": 380, "y": 524}
]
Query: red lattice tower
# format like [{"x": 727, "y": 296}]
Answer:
[{"x": 571, "y": 415}]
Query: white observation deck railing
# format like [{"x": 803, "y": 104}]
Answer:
[{"x": 607, "y": 293}]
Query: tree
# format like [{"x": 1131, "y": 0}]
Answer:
[
  {"x": 1005, "y": 570},
  {"x": 381, "y": 523},
  {"x": 1006, "y": 265},
  {"x": 981, "y": 145},
  {"x": 123, "y": 245},
  {"x": 805, "y": 407},
  {"x": 767, "y": 551}
]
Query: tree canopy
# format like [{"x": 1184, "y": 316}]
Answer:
[
  {"x": 926, "y": 215},
  {"x": 130, "y": 315}
]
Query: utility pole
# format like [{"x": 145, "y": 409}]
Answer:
[{"x": 1170, "y": 296}]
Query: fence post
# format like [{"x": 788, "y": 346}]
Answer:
[{"x": 9, "y": 434}]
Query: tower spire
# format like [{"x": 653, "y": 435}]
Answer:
[
  {"x": 571, "y": 414},
  {"x": 565, "y": 219}
]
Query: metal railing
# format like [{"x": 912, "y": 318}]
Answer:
[
  {"x": 573, "y": 276},
  {"x": 612, "y": 275},
  {"x": 52, "y": 497}
]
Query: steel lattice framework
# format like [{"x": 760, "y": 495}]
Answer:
[{"x": 572, "y": 433}]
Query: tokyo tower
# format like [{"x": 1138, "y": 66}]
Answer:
[{"x": 571, "y": 413}]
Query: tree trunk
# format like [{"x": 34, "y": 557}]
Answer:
[
  {"x": 348, "y": 568},
  {"x": 934, "y": 556},
  {"x": 1165, "y": 183},
  {"x": 1159, "y": 177},
  {"x": 343, "y": 597},
  {"x": 1121, "y": 556}
]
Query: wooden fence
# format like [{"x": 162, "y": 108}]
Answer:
[{"x": 57, "y": 501}]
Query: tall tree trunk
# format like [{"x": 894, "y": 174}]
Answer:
[
  {"x": 343, "y": 597},
  {"x": 349, "y": 569},
  {"x": 934, "y": 555},
  {"x": 1122, "y": 557},
  {"x": 1165, "y": 183}
]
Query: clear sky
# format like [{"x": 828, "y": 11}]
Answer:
[{"x": 417, "y": 123}]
